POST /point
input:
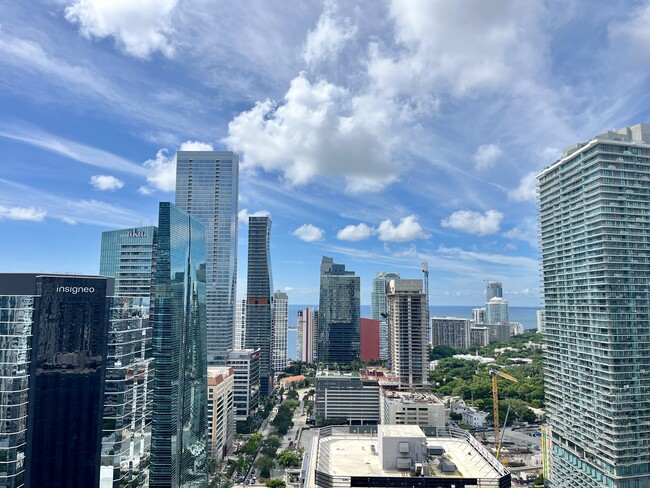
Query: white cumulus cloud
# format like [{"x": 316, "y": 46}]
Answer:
[
  {"x": 408, "y": 229},
  {"x": 32, "y": 214},
  {"x": 196, "y": 146},
  {"x": 319, "y": 130},
  {"x": 527, "y": 189},
  {"x": 309, "y": 233},
  {"x": 329, "y": 36},
  {"x": 355, "y": 232},
  {"x": 161, "y": 172},
  {"x": 486, "y": 155},
  {"x": 106, "y": 182},
  {"x": 243, "y": 214},
  {"x": 139, "y": 27},
  {"x": 474, "y": 222}
]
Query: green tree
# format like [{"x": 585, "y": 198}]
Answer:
[
  {"x": 271, "y": 444},
  {"x": 292, "y": 395},
  {"x": 289, "y": 459},
  {"x": 265, "y": 464},
  {"x": 276, "y": 483}
]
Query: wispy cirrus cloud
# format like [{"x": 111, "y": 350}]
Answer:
[{"x": 32, "y": 214}]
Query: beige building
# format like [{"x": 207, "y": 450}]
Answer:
[
  {"x": 411, "y": 408},
  {"x": 221, "y": 410}
]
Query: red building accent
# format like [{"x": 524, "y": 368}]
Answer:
[{"x": 369, "y": 331}]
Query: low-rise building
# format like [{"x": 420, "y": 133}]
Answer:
[
  {"x": 291, "y": 380},
  {"x": 348, "y": 396},
  {"x": 475, "y": 418},
  {"x": 221, "y": 412},
  {"x": 411, "y": 408}
]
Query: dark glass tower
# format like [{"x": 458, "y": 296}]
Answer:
[
  {"x": 178, "y": 440},
  {"x": 259, "y": 301},
  {"x": 338, "y": 314},
  {"x": 207, "y": 187},
  {"x": 54, "y": 328}
]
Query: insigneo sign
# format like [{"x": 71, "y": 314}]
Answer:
[
  {"x": 135, "y": 233},
  {"x": 75, "y": 289}
]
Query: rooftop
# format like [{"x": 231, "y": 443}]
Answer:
[{"x": 413, "y": 397}]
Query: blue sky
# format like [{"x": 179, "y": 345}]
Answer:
[{"x": 379, "y": 133}]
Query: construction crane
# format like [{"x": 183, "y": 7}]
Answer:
[{"x": 495, "y": 404}]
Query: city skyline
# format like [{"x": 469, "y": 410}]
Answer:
[{"x": 397, "y": 158}]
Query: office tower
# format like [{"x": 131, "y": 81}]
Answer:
[
  {"x": 178, "y": 433},
  {"x": 478, "y": 315},
  {"x": 493, "y": 289},
  {"x": 54, "y": 331},
  {"x": 127, "y": 256},
  {"x": 496, "y": 311},
  {"x": 279, "y": 331},
  {"x": 369, "y": 338},
  {"x": 353, "y": 397},
  {"x": 594, "y": 205},
  {"x": 221, "y": 410},
  {"x": 407, "y": 324},
  {"x": 246, "y": 365},
  {"x": 451, "y": 331},
  {"x": 207, "y": 187},
  {"x": 259, "y": 307},
  {"x": 307, "y": 334},
  {"x": 240, "y": 324},
  {"x": 338, "y": 314},
  {"x": 378, "y": 309}
]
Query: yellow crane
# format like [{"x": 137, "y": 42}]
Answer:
[{"x": 495, "y": 404}]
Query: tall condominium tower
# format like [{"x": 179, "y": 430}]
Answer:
[
  {"x": 493, "y": 289},
  {"x": 240, "y": 324},
  {"x": 279, "y": 332},
  {"x": 594, "y": 222},
  {"x": 207, "y": 187},
  {"x": 127, "y": 256},
  {"x": 307, "y": 322},
  {"x": 451, "y": 331},
  {"x": 378, "y": 309},
  {"x": 407, "y": 324},
  {"x": 496, "y": 311},
  {"x": 338, "y": 314},
  {"x": 54, "y": 331},
  {"x": 259, "y": 297},
  {"x": 178, "y": 434}
]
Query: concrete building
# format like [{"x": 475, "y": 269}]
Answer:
[
  {"x": 400, "y": 456},
  {"x": 370, "y": 340},
  {"x": 411, "y": 408},
  {"x": 279, "y": 331},
  {"x": 409, "y": 347},
  {"x": 496, "y": 311},
  {"x": 207, "y": 187},
  {"x": 479, "y": 336},
  {"x": 516, "y": 328},
  {"x": 594, "y": 221},
  {"x": 499, "y": 332},
  {"x": 475, "y": 418},
  {"x": 307, "y": 334},
  {"x": 379, "y": 309},
  {"x": 493, "y": 289},
  {"x": 350, "y": 396},
  {"x": 478, "y": 315},
  {"x": 338, "y": 314},
  {"x": 541, "y": 321},
  {"x": 451, "y": 331},
  {"x": 221, "y": 410},
  {"x": 246, "y": 366},
  {"x": 240, "y": 324}
]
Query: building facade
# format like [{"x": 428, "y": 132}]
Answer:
[
  {"x": 493, "y": 289},
  {"x": 369, "y": 332},
  {"x": 307, "y": 322},
  {"x": 407, "y": 319},
  {"x": 207, "y": 187},
  {"x": 127, "y": 256},
  {"x": 55, "y": 330},
  {"x": 594, "y": 220},
  {"x": 339, "y": 312},
  {"x": 347, "y": 396},
  {"x": 478, "y": 315},
  {"x": 408, "y": 408},
  {"x": 279, "y": 331},
  {"x": 240, "y": 324},
  {"x": 379, "y": 310},
  {"x": 451, "y": 331},
  {"x": 259, "y": 297},
  {"x": 246, "y": 366},
  {"x": 496, "y": 311},
  {"x": 178, "y": 318},
  {"x": 221, "y": 410}
]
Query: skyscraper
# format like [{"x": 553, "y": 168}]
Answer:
[
  {"x": 407, "y": 325},
  {"x": 207, "y": 187},
  {"x": 594, "y": 219},
  {"x": 54, "y": 331},
  {"x": 338, "y": 314},
  {"x": 279, "y": 335},
  {"x": 307, "y": 322},
  {"x": 496, "y": 311},
  {"x": 369, "y": 340},
  {"x": 178, "y": 437},
  {"x": 127, "y": 256},
  {"x": 259, "y": 296},
  {"x": 378, "y": 309},
  {"x": 240, "y": 324},
  {"x": 493, "y": 289},
  {"x": 451, "y": 331}
]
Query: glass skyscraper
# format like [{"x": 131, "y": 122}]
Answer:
[
  {"x": 207, "y": 187},
  {"x": 339, "y": 311},
  {"x": 178, "y": 438},
  {"x": 378, "y": 309},
  {"x": 594, "y": 223},
  {"x": 279, "y": 333},
  {"x": 127, "y": 255},
  {"x": 259, "y": 297}
]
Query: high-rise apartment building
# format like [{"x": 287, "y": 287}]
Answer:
[
  {"x": 307, "y": 322},
  {"x": 496, "y": 311},
  {"x": 246, "y": 365},
  {"x": 279, "y": 331},
  {"x": 407, "y": 322},
  {"x": 478, "y": 315},
  {"x": 207, "y": 187},
  {"x": 493, "y": 289},
  {"x": 594, "y": 222},
  {"x": 259, "y": 297},
  {"x": 240, "y": 324},
  {"x": 338, "y": 314},
  {"x": 451, "y": 331},
  {"x": 54, "y": 331},
  {"x": 178, "y": 434},
  {"x": 127, "y": 256},
  {"x": 221, "y": 410},
  {"x": 378, "y": 309}
]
